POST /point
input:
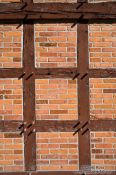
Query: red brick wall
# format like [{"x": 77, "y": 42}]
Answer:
[
  {"x": 11, "y": 46},
  {"x": 102, "y": 45},
  {"x": 56, "y": 99},
  {"x": 11, "y": 152},
  {"x": 57, "y": 151},
  {"x": 103, "y": 149},
  {"x": 56, "y": 46},
  {"x": 11, "y": 93},
  {"x": 103, "y": 98}
]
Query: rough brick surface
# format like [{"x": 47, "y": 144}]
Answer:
[
  {"x": 102, "y": 45},
  {"x": 56, "y": 99},
  {"x": 57, "y": 151},
  {"x": 103, "y": 98},
  {"x": 103, "y": 148},
  {"x": 55, "y": 45},
  {"x": 11, "y": 94},
  {"x": 11, "y": 46},
  {"x": 11, "y": 152}
]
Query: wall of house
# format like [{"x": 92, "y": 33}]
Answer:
[{"x": 57, "y": 99}]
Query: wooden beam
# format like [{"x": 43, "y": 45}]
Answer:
[
  {"x": 102, "y": 73},
  {"x": 74, "y": 173},
  {"x": 29, "y": 98},
  {"x": 102, "y": 125},
  {"x": 58, "y": 11},
  {"x": 10, "y": 126},
  {"x": 57, "y": 173},
  {"x": 11, "y": 72},
  {"x": 14, "y": 173},
  {"x": 55, "y": 125},
  {"x": 83, "y": 97},
  {"x": 58, "y": 126},
  {"x": 43, "y": 73}
]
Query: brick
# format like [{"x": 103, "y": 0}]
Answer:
[
  {"x": 62, "y": 155},
  {"x": 53, "y": 36}
]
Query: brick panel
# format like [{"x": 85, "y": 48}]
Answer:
[
  {"x": 11, "y": 46},
  {"x": 103, "y": 148},
  {"x": 56, "y": 99},
  {"x": 55, "y": 45},
  {"x": 103, "y": 98},
  {"x": 57, "y": 151},
  {"x": 11, "y": 94},
  {"x": 11, "y": 152},
  {"x": 102, "y": 45}
]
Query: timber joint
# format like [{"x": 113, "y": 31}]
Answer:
[
  {"x": 28, "y": 128},
  {"x": 81, "y": 127}
]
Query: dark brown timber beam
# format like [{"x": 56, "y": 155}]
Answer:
[
  {"x": 57, "y": 173},
  {"x": 58, "y": 126},
  {"x": 74, "y": 173},
  {"x": 83, "y": 97},
  {"x": 14, "y": 173},
  {"x": 55, "y": 125},
  {"x": 29, "y": 98},
  {"x": 102, "y": 125},
  {"x": 48, "y": 11},
  {"x": 11, "y": 73},
  {"x": 102, "y": 73},
  {"x": 102, "y": 173},
  {"x": 10, "y": 126},
  {"x": 43, "y": 73}
]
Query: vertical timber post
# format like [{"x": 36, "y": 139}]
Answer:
[
  {"x": 83, "y": 96},
  {"x": 29, "y": 94}
]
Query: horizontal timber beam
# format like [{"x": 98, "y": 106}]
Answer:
[
  {"x": 58, "y": 173},
  {"x": 59, "y": 126},
  {"x": 58, "y": 11},
  {"x": 44, "y": 73},
  {"x": 74, "y": 173},
  {"x": 11, "y": 72},
  {"x": 102, "y": 173},
  {"x": 10, "y": 126},
  {"x": 54, "y": 125},
  {"x": 55, "y": 72},
  {"x": 14, "y": 173},
  {"x": 102, "y": 73},
  {"x": 68, "y": 125},
  {"x": 102, "y": 125}
]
